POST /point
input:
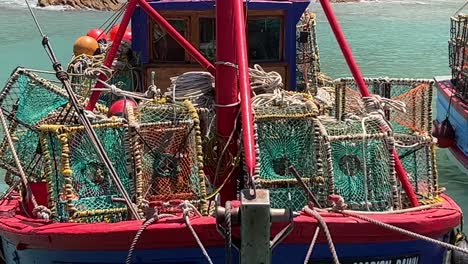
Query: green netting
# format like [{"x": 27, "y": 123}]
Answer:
[
  {"x": 89, "y": 197},
  {"x": 360, "y": 183},
  {"x": 285, "y": 138},
  {"x": 411, "y": 128},
  {"x": 419, "y": 164},
  {"x": 362, "y": 171},
  {"x": 26, "y": 99}
]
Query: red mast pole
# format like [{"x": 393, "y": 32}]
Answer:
[
  {"x": 226, "y": 85},
  {"x": 165, "y": 25},
  {"x": 245, "y": 89},
  {"x": 113, "y": 51},
  {"x": 348, "y": 55}
]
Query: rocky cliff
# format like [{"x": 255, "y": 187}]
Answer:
[{"x": 94, "y": 4}]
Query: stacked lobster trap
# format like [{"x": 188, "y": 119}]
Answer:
[
  {"x": 458, "y": 54},
  {"x": 156, "y": 154},
  {"x": 411, "y": 128},
  {"x": 351, "y": 159},
  {"x": 165, "y": 156}
]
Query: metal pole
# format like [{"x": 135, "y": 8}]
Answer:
[
  {"x": 226, "y": 85},
  {"x": 245, "y": 89}
]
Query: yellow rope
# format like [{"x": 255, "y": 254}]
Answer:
[{"x": 198, "y": 140}]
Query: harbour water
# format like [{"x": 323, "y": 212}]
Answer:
[{"x": 392, "y": 38}]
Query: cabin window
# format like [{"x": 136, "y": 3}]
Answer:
[
  {"x": 207, "y": 37},
  {"x": 163, "y": 46},
  {"x": 264, "y": 39}
]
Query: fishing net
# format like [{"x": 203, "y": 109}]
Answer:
[
  {"x": 411, "y": 128},
  {"x": 25, "y": 100},
  {"x": 416, "y": 94},
  {"x": 79, "y": 184},
  {"x": 358, "y": 165},
  {"x": 458, "y": 54},
  {"x": 165, "y": 140},
  {"x": 286, "y": 138}
]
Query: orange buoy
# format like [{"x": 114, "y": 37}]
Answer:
[
  {"x": 445, "y": 133},
  {"x": 118, "y": 107},
  {"x": 85, "y": 45},
  {"x": 113, "y": 32},
  {"x": 97, "y": 34}
]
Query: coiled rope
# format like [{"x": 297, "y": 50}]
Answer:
[{"x": 196, "y": 86}]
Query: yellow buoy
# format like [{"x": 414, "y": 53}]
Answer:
[{"x": 85, "y": 45}]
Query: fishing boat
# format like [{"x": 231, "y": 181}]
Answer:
[
  {"x": 452, "y": 96},
  {"x": 206, "y": 133}
]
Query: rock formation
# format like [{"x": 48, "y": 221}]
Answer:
[{"x": 93, "y": 4}]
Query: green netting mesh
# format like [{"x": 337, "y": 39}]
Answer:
[
  {"x": 419, "y": 163},
  {"x": 26, "y": 99},
  {"x": 79, "y": 183},
  {"x": 285, "y": 138},
  {"x": 362, "y": 171},
  {"x": 411, "y": 128}
]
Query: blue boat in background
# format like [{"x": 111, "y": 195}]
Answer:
[{"x": 452, "y": 95}]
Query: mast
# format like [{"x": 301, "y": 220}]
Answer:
[{"x": 226, "y": 86}]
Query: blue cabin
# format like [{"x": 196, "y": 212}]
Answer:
[{"x": 271, "y": 27}]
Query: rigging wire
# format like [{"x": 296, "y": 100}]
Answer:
[{"x": 461, "y": 8}]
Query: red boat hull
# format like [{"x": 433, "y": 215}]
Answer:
[{"x": 22, "y": 234}]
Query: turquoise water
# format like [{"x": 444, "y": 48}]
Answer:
[{"x": 389, "y": 38}]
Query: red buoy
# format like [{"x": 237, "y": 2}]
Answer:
[
  {"x": 445, "y": 133},
  {"x": 97, "y": 34},
  {"x": 118, "y": 107},
  {"x": 113, "y": 32},
  {"x": 128, "y": 35}
]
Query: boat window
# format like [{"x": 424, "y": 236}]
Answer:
[
  {"x": 264, "y": 38},
  {"x": 207, "y": 37},
  {"x": 163, "y": 46}
]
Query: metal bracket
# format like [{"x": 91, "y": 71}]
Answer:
[{"x": 255, "y": 218}]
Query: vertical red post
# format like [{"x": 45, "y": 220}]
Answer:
[
  {"x": 245, "y": 89},
  {"x": 113, "y": 51},
  {"x": 348, "y": 55},
  {"x": 226, "y": 85}
]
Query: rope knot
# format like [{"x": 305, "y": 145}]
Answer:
[
  {"x": 375, "y": 104},
  {"x": 42, "y": 212},
  {"x": 337, "y": 201}
]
